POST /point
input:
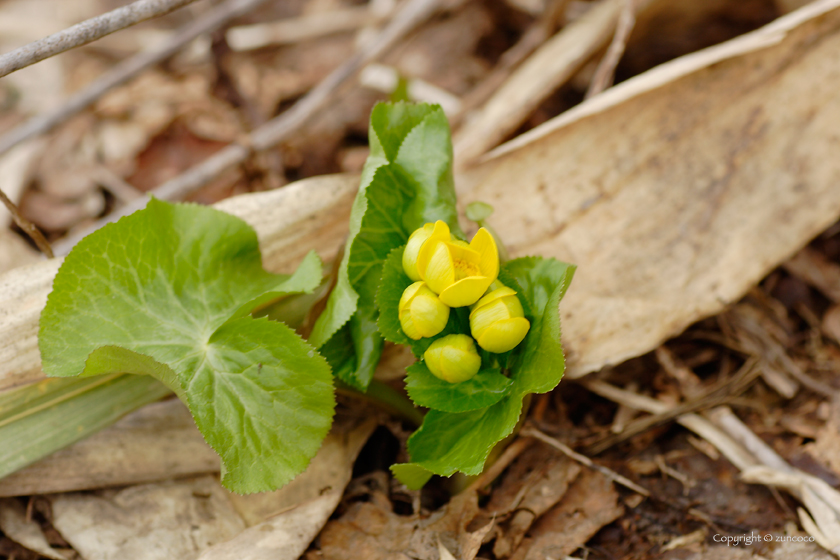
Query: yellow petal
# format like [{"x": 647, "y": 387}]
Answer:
[
  {"x": 408, "y": 294},
  {"x": 408, "y": 325},
  {"x": 435, "y": 265},
  {"x": 453, "y": 358},
  {"x": 493, "y": 295},
  {"x": 412, "y": 248},
  {"x": 466, "y": 291},
  {"x": 440, "y": 232},
  {"x": 504, "y": 335},
  {"x": 484, "y": 244},
  {"x": 459, "y": 366},
  {"x": 429, "y": 314},
  {"x": 482, "y": 318},
  {"x": 514, "y": 305}
]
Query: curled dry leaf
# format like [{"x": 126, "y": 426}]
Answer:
[
  {"x": 188, "y": 518},
  {"x": 534, "y": 483}
]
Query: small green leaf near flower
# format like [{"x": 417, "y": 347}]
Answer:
[{"x": 487, "y": 388}]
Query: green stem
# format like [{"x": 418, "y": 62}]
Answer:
[{"x": 385, "y": 397}]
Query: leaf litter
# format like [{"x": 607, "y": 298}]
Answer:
[{"x": 789, "y": 324}]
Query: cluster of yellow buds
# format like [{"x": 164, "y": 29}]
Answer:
[{"x": 448, "y": 272}]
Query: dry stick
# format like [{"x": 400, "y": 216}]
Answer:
[
  {"x": 540, "y": 74},
  {"x": 27, "y": 226},
  {"x": 86, "y": 32},
  {"x": 732, "y": 450},
  {"x": 721, "y": 393},
  {"x": 533, "y": 37},
  {"x": 126, "y": 70},
  {"x": 604, "y": 74},
  {"x": 277, "y": 129},
  {"x": 584, "y": 460}
]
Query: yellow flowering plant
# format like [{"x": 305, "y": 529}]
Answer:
[
  {"x": 500, "y": 342},
  {"x": 190, "y": 310}
]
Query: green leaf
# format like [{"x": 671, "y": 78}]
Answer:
[
  {"x": 340, "y": 354},
  {"x": 413, "y": 476},
  {"x": 407, "y": 181},
  {"x": 539, "y": 366},
  {"x": 393, "y": 283},
  {"x": 391, "y": 287},
  {"x": 540, "y": 279},
  {"x": 478, "y": 211},
  {"x": 485, "y": 389},
  {"x": 354, "y": 351},
  {"x": 449, "y": 442},
  {"x": 390, "y": 123},
  {"x": 165, "y": 292}
]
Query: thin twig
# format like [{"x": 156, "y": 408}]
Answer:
[
  {"x": 280, "y": 127},
  {"x": 127, "y": 70},
  {"x": 605, "y": 73},
  {"x": 534, "y": 36},
  {"x": 27, "y": 226},
  {"x": 86, "y": 32},
  {"x": 584, "y": 460},
  {"x": 732, "y": 450}
]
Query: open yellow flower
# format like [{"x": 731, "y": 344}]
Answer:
[
  {"x": 458, "y": 272},
  {"x": 422, "y": 314},
  {"x": 498, "y": 321},
  {"x": 453, "y": 358}
]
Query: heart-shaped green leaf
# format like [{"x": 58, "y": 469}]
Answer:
[{"x": 166, "y": 292}]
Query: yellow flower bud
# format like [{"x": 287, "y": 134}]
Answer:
[
  {"x": 460, "y": 273},
  {"x": 422, "y": 314},
  {"x": 453, "y": 358},
  {"x": 498, "y": 321},
  {"x": 415, "y": 241}
]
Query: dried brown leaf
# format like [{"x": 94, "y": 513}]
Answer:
[
  {"x": 534, "y": 483},
  {"x": 590, "y": 503},
  {"x": 372, "y": 531},
  {"x": 152, "y": 521}
]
